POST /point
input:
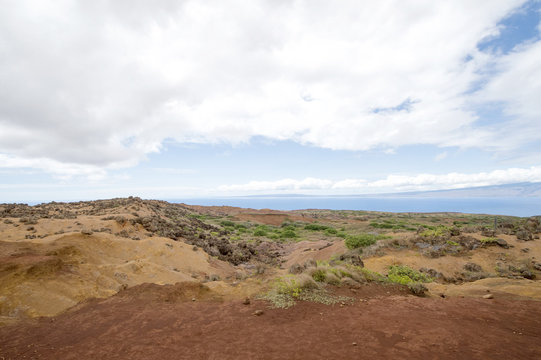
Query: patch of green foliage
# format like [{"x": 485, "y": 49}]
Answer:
[
  {"x": 439, "y": 231},
  {"x": 393, "y": 224},
  {"x": 331, "y": 232},
  {"x": 227, "y": 223},
  {"x": 401, "y": 274},
  {"x": 452, "y": 243},
  {"x": 319, "y": 275},
  {"x": 362, "y": 240},
  {"x": 288, "y": 234},
  {"x": 489, "y": 240},
  {"x": 260, "y": 232},
  {"x": 285, "y": 290},
  {"x": 316, "y": 227}
]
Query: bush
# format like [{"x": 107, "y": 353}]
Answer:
[
  {"x": 404, "y": 275},
  {"x": 331, "y": 231},
  {"x": 316, "y": 227},
  {"x": 489, "y": 240},
  {"x": 288, "y": 234},
  {"x": 260, "y": 232},
  {"x": 332, "y": 279},
  {"x": 227, "y": 223},
  {"x": 417, "y": 289},
  {"x": 362, "y": 240},
  {"x": 286, "y": 289},
  {"x": 319, "y": 275},
  {"x": 437, "y": 232}
]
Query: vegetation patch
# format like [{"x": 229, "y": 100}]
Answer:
[
  {"x": 316, "y": 227},
  {"x": 363, "y": 240},
  {"x": 401, "y": 274},
  {"x": 288, "y": 289}
]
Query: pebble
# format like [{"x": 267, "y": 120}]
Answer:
[
  {"x": 258, "y": 312},
  {"x": 488, "y": 296},
  {"x": 246, "y": 301}
]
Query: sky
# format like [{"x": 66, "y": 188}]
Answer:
[{"x": 183, "y": 99}]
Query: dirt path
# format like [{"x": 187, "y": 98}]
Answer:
[{"x": 150, "y": 324}]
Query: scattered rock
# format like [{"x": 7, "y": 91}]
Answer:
[
  {"x": 537, "y": 266},
  {"x": 527, "y": 274},
  {"x": 353, "y": 258},
  {"x": 432, "y": 273},
  {"x": 258, "y": 313},
  {"x": 488, "y": 296},
  {"x": 473, "y": 267},
  {"x": 246, "y": 301},
  {"x": 525, "y": 250},
  {"x": 86, "y": 232},
  {"x": 524, "y": 235},
  {"x": 488, "y": 232},
  {"x": 354, "y": 343},
  {"x": 502, "y": 243}
]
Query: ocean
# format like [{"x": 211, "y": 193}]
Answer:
[{"x": 516, "y": 206}]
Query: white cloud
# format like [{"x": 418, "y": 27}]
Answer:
[
  {"x": 441, "y": 156},
  {"x": 101, "y": 84},
  {"x": 280, "y": 185},
  {"x": 392, "y": 183},
  {"x": 59, "y": 169}
]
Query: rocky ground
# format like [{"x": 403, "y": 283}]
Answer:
[{"x": 132, "y": 278}]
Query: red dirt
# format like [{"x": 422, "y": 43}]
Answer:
[
  {"x": 263, "y": 216},
  {"x": 153, "y": 322}
]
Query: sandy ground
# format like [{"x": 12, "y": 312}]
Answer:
[
  {"x": 46, "y": 276},
  {"x": 152, "y": 322}
]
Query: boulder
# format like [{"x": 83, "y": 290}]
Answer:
[{"x": 473, "y": 267}]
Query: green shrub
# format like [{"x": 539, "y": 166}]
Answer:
[
  {"x": 489, "y": 240},
  {"x": 404, "y": 275},
  {"x": 260, "y": 232},
  {"x": 331, "y": 231},
  {"x": 316, "y": 227},
  {"x": 288, "y": 234},
  {"x": 319, "y": 275},
  {"x": 362, "y": 240},
  {"x": 439, "y": 231},
  {"x": 227, "y": 223}
]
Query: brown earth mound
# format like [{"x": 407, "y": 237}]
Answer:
[{"x": 151, "y": 322}]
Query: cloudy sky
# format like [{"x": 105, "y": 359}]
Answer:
[{"x": 175, "y": 99}]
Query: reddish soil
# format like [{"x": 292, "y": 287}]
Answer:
[
  {"x": 263, "y": 216},
  {"x": 153, "y": 322}
]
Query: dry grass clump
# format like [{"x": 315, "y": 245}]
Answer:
[{"x": 286, "y": 290}]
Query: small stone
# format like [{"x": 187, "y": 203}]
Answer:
[
  {"x": 86, "y": 232},
  {"x": 246, "y": 301},
  {"x": 193, "y": 299},
  {"x": 258, "y": 312},
  {"x": 488, "y": 296},
  {"x": 354, "y": 343}
]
